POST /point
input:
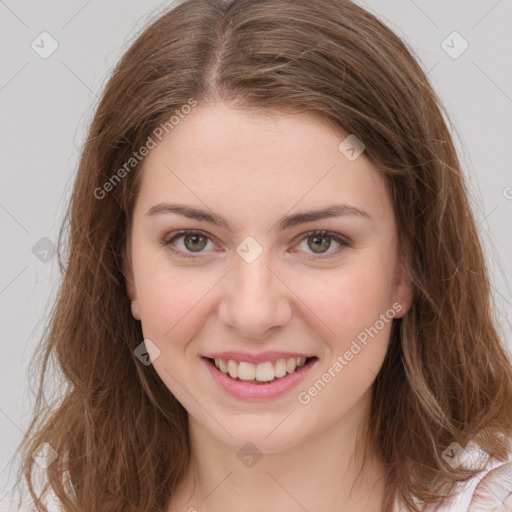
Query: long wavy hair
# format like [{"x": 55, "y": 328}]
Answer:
[{"x": 120, "y": 435}]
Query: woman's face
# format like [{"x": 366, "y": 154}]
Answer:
[{"x": 254, "y": 285}]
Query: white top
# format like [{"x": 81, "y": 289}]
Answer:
[{"x": 489, "y": 491}]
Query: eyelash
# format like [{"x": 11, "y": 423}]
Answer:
[{"x": 320, "y": 233}]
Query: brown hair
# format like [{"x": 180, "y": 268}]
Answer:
[{"x": 120, "y": 434}]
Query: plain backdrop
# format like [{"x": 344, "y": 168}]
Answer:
[{"x": 47, "y": 101}]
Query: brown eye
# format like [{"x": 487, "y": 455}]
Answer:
[
  {"x": 186, "y": 243},
  {"x": 195, "y": 243},
  {"x": 319, "y": 243}
]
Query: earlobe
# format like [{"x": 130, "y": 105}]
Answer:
[
  {"x": 403, "y": 293},
  {"x": 135, "y": 309},
  {"x": 130, "y": 288},
  {"x": 405, "y": 301}
]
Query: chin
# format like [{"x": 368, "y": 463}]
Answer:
[{"x": 267, "y": 436}]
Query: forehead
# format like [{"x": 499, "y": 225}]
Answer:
[{"x": 231, "y": 158}]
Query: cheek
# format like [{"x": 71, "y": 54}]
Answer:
[
  {"x": 174, "y": 308},
  {"x": 172, "y": 304},
  {"x": 359, "y": 316},
  {"x": 171, "y": 298},
  {"x": 349, "y": 300}
]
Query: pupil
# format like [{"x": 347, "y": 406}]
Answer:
[
  {"x": 317, "y": 245},
  {"x": 195, "y": 239}
]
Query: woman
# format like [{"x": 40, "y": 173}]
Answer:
[{"x": 275, "y": 295}]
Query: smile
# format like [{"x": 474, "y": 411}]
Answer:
[
  {"x": 267, "y": 371},
  {"x": 263, "y": 381}
]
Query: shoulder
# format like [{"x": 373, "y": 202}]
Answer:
[
  {"x": 490, "y": 490},
  {"x": 494, "y": 490}
]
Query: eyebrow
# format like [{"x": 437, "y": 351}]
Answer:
[{"x": 336, "y": 210}]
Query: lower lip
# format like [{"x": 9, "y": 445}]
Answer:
[{"x": 250, "y": 391}]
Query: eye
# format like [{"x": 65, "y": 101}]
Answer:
[
  {"x": 321, "y": 241},
  {"x": 187, "y": 242},
  {"x": 194, "y": 241}
]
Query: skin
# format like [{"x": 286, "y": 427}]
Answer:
[{"x": 252, "y": 170}]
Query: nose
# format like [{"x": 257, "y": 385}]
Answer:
[{"x": 255, "y": 300}]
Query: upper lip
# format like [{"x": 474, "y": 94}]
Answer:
[{"x": 255, "y": 358}]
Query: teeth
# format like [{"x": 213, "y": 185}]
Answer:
[
  {"x": 233, "y": 369},
  {"x": 223, "y": 365},
  {"x": 280, "y": 369},
  {"x": 263, "y": 372},
  {"x": 246, "y": 371},
  {"x": 291, "y": 364}
]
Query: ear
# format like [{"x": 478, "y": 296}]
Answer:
[
  {"x": 403, "y": 291},
  {"x": 130, "y": 286}
]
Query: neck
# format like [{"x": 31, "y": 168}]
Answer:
[{"x": 336, "y": 470}]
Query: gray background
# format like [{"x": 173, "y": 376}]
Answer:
[{"x": 46, "y": 105}]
